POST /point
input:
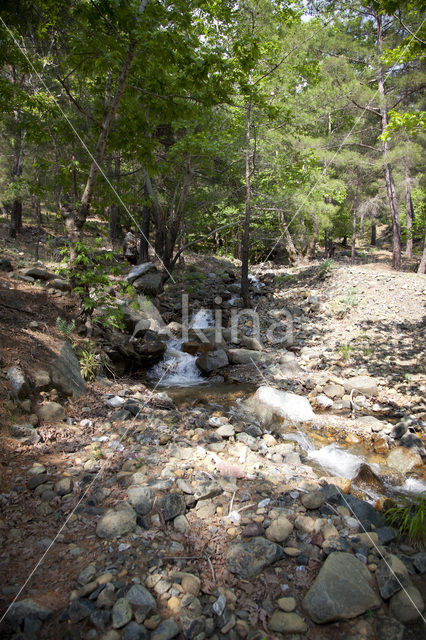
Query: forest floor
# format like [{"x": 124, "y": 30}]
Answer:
[{"x": 349, "y": 320}]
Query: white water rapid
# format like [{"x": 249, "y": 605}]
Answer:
[{"x": 177, "y": 368}]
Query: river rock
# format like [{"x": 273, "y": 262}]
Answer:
[
  {"x": 268, "y": 402},
  {"x": 403, "y": 459},
  {"x": 407, "y": 605},
  {"x": 341, "y": 590},
  {"x": 27, "y": 615},
  {"x": 389, "y": 629},
  {"x": 121, "y": 613},
  {"x": 363, "y": 384},
  {"x": 287, "y": 623},
  {"x": 25, "y": 433},
  {"x": 64, "y": 486},
  {"x": 212, "y": 360},
  {"x": 116, "y": 522},
  {"x": 65, "y": 372},
  {"x": 139, "y": 596},
  {"x": 172, "y": 505},
  {"x": 166, "y": 630},
  {"x": 391, "y": 576},
  {"x": 41, "y": 380},
  {"x": 248, "y": 559},
  {"x": 19, "y": 382},
  {"x": 246, "y": 356},
  {"x": 51, "y": 412},
  {"x": 141, "y": 498},
  {"x": 279, "y": 530},
  {"x": 135, "y": 631},
  {"x": 312, "y": 500}
]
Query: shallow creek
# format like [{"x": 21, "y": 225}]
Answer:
[{"x": 319, "y": 448}]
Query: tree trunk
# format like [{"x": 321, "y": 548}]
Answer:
[
  {"x": 311, "y": 249},
  {"x": 16, "y": 209},
  {"x": 373, "y": 234},
  {"x": 409, "y": 213},
  {"x": 114, "y": 227},
  {"x": 390, "y": 185},
  {"x": 175, "y": 218},
  {"x": 145, "y": 224},
  {"x": 293, "y": 254},
  {"x": 80, "y": 215},
  {"x": 246, "y": 233},
  {"x": 38, "y": 217},
  {"x": 422, "y": 265}
]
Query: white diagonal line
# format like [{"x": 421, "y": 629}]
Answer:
[
  {"x": 85, "y": 147},
  {"x": 362, "y": 526},
  {"x": 40, "y": 561}
]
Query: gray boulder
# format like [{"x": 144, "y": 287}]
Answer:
[
  {"x": 268, "y": 402},
  {"x": 212, "y": 360},
  {"x": 19, "y": 382},
  {"x": 151, "y": 284},
  {"x": 248, "y": 559},
  {"x": 407, "y": 605},
  {"x": 139, "y": 270},
  {"x": 141, "y": 498},
  {"x": 65, "y": 372},
  {"x": 172, "y": 505},
  {"x": 341, "y": 590},
  {"x": 116, "y": 522},
  {"x": 38, "y": 273}
]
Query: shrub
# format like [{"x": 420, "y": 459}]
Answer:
[{"x": 409, "y": 518}]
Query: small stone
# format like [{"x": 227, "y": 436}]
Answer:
[
  {"x": 191, "y": 584},
  {"x": 116, "y": 522},
  {"x": 80, "y": 609},
  {"x": 389, "y": 629},
  {"x": 174, "y": 604},
  {"x": 121, "y": 613},
  {"x": 139, "y": 596},
  {"x": 25, "y": 433},
  {"x": 226, "y": 431},
  {"x": 287, "y": 604},
  {"x": 248, "y": 559},
  {"x": 312, "y": 500},
  {"x": 35, "y": 480},
  {"x": 18, "y": 381},
  {"x": 166, "y": 630},
  {"x": 287, "y": 623},
  {"x": 64, "y": 486},
  {"x": 391, "y": 576},
  {"x": 135, "y": 631},
  {"x": 87, "y": 574},
  {"x": 181, "y": 524},
  {"x": 279, "y": 530},
  {"x": 141, "y": 498},
  {"x": 172, "y": 505}
]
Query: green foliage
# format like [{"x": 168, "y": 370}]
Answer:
[
  {"x": 90, "y": 364},
  {"x": 350, "y": 298},
  {"x": 412, "y": 123},
  {"x": 409, "y": 518},
  {"x": 65, "y": 327},
  {"x": 327, "y": 266},
  {"x": 346, "y": 350},
  {"x": 89, "y": 273}
]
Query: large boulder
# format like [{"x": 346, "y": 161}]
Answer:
[
  {"x": 51, "y": 412},
  {"x": 130, "y": 356},
  {"x": 38, "y": 273},
  {"x": 268, "y": 402},
  {"x": 27, "y": 616},
  {"x": 65, "y": 372},
  {"x": 248, "y": 559},
  {"x": 392, "y": 576},
  {"x": 341, "y": 590},
  {"x": 139, "y": 321},
  {"x": 151, "y": 284},
  {"x": 212, "y": 360},
  {"x": 138, "y": 271}
]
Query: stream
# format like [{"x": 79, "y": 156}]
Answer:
[{"x": 178, "y": 373}]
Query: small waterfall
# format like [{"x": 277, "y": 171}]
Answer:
[
  {"x": 177, "y": 368},
  {"x": 337, "y": 460}
]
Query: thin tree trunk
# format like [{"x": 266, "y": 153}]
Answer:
[
  {"x": 79, "y": 215},
  {"x": 373, "y": 234},
  {"x": 114, "y": 210},
  {"x": 354, "y": 210},
  {"x": 246, "y": 233},
  {"x": 16, "y": 209},
  {"x": 175, "y": 218},
  {"x": 38, "y": 217},
  {"x": 145, "y": 224},
  {"x": 293, "y": 254},
  {"x": 422, "y": 265},
  {"x": 390, "y": 185},
  {"x": 409, "y": 213},
  {"x": 310, "y": 251}
]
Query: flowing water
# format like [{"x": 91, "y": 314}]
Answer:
[{"x": 177, "y": 368}]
